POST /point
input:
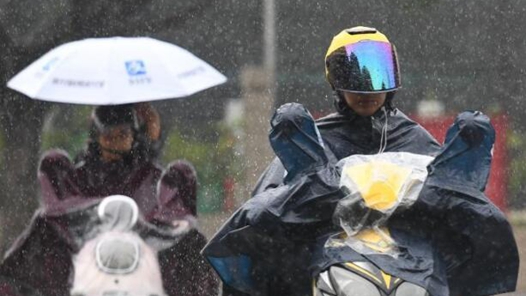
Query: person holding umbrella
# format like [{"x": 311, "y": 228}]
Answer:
[
  {"x": 121, "y": 154},
  {"x": 120, "y": 75},
  {"x": 120, "y": 129},
  {"x": 120, "y": 158},
  {"x": 114, "y": 73}
]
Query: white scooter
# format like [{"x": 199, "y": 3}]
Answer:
[
  {"x": 362, "y": 278},
  {"x": 116, "y": 261}
]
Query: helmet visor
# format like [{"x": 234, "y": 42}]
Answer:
[{"x": 367, "y": 66}]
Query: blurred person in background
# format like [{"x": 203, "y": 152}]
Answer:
[{"x": 120, "y": 159}]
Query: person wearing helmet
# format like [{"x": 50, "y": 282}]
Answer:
[
  {"x": 114, "y": 162},
  {"x": 361, "y": 66},
  {"x": 124, "y": 132},
  {"x": 120, "y": 159}
]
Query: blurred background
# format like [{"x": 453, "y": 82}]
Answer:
[{"x": 454, "y": 55}]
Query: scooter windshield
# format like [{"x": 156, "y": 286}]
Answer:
[{"x": 117, "y": 256}]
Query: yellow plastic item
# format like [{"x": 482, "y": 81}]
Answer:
[
  {"x": 378, "y": 182},
  {"x": 374, "y": 240},
  {"x": 387, "y": 279}
]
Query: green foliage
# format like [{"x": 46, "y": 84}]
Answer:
[
  {"x": 214, "y": 160},
  {"x": 66, "y": 128},
  {"x": 517, "y": 169},
  {"x": 72, "y": 143}
]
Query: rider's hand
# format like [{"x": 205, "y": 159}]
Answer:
[{"x": 149, "y": 117}]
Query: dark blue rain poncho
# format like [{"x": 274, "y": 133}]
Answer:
[
  {"x": 256, "y": 250},
  {"x": 345, "y": 133},
  {"x": 453, "y": 241}
]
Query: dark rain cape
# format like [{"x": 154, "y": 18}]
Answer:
[
  {"x": 343, "y": 134},
  {"x": 257, "y": 247},
  {"x": 348, "y": 134},
  {"x": 61, "y": 180},
  {"x": 40, "y": 259},
  {"x": 452, "y": 231},
  {"x": 454, "y": 241}
]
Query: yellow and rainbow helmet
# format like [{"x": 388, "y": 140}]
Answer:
[{"x": 362, "y": 60}]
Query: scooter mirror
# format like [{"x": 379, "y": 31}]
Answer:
[{"x": 119, "y": 212}]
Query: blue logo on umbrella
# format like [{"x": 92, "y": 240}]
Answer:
[
  {"x": 135, "y": 67},
  {"x": 50, "y": 64}
]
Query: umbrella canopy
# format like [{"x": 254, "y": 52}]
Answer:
[{"x": 116, "y": 70}]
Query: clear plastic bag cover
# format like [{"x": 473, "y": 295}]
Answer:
[{"x": 376, "y": 186}]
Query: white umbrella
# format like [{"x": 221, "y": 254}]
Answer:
[{"x": 117, "y": 70}]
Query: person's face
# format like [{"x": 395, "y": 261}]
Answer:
[
  {"x": 118, "y": 138},
  {"x": 364, "y": 104}
]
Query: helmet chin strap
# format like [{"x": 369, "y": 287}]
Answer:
[
  {"x": 342, "y": 107},
  {"x": 114, "y": 151},
  {"x": 383, "y": 138},
  {"x": 339, "y": 102}
]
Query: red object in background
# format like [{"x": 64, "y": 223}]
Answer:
[
  {"x": 496, "y": 189},
  {"x": 228, "y": 189}
]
